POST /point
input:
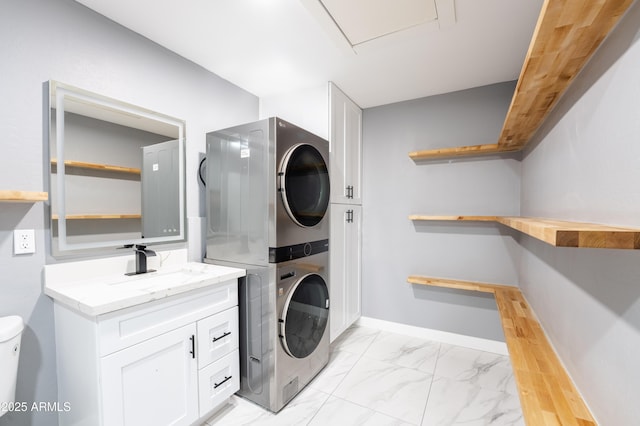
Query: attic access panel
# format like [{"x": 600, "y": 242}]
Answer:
[{"x": 364, "y": 20}]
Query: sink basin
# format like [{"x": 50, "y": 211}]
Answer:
[{"x": 164, "y": 279}]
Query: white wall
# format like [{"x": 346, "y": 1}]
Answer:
[
  {"x": 585, "y": 165},
  {"x": 307, "y": 108},
  {"x": 395, "y": 187},
  {"x": 62, "y": 40}
]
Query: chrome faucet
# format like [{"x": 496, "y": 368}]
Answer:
[{"x": 141, "y": 259}]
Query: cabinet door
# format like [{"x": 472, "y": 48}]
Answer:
[
  {"x": 345, "y": 261},
  {"x": 345, "y": 138},
  {"x": 153, "y": 382}
]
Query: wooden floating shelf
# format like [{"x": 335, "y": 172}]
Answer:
[
  {"x": 460, "y": 151},
  {"x": 454, "y": 218},
  {"x": 558, "y": 233},
  {"x": 566, "y": 36},
  {"x": 11, "y": 196},
  {"x": 457, "y": 284},
  {"x": 547, "y": 394},
  {"x": 97, "y": 166},
  {"x": 98, "y": 216}
]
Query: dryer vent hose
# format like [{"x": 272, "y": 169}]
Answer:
[{"x": 202, "y": 170}]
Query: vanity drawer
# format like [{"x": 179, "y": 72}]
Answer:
[
  {"x": 130, "y": 326},
  {"x": 217, "y": 336},
  {"x": 218, "y": 381}
]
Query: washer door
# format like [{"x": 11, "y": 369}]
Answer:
[
  {"x": 305, "y": 316},
  {"x": 304, "y": 184}
]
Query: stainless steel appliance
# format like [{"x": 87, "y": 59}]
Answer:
[
  {"x": 284, "y": 328},
  {"x": 267, "y": 199},
  {"x": 268, "y": 188}
]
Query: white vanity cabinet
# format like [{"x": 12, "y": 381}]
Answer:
[{"x": 166, "y": 362}]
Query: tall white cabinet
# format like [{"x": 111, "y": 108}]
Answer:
[
  {"x": 345, "y": 241},
  {"x": 328, "y": 112}
]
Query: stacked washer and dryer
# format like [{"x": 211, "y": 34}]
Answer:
[{"x": 267, "y": 198}]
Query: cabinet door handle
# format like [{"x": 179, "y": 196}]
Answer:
[
  {"x": 193, "y": 346},
  {"x": 215, "y": 339},
  {"x": 226, "y": 379},
  {"x": 349, "y": 216}
]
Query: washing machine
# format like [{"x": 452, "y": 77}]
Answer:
[
  {"x": 302, "y": 309},
  {"x": 284, "y": 328},
  {"x": 268, "y": 192}
]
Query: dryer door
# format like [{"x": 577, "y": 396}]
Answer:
[
  {"x": 305, "y": 316},
  {"x": 304, "y": 184}
]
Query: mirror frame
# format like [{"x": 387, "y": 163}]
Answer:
[{"x": 55, "y": 93}]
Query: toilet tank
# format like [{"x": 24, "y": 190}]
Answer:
[{"x": 10, "y": 334}]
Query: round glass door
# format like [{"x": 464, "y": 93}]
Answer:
[
  {"x": 305, "y": 316},
  {"x": 305, "y": 185}
]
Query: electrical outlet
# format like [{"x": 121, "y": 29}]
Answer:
[{"x": 24, "y": 241}]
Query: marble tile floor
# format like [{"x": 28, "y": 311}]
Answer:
[{"x": 379, "y": 378}]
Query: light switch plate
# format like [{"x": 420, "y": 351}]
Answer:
[{"x": 24, "y": 241}]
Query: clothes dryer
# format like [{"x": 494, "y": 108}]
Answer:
[
  {"x": 302, "y": 159},
  {"x": 268, "y": 192}
]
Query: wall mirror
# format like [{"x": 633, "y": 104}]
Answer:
[{"x": 116, "y": 172}]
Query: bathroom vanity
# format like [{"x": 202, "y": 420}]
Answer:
[
  {"x": 153, "y": 348},
  {"x": 158, "y": 348}
]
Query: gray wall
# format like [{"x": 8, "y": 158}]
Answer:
[
  {"x": 395, "y": 187},
  {"x": 585, "y": 165},
  {"x": 62, "y": 40}
]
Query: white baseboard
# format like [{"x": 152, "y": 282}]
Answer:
[{"x": 478, "y": 343}]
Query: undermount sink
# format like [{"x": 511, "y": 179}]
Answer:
[{"x": 164, "y": 279}]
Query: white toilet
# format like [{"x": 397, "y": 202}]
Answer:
[{"x": 10, "y": 334}]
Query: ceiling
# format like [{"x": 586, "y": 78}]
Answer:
[{"x": 393, "y": 50}]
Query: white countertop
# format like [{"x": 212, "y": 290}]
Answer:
[{"x": 100, "y": 293}]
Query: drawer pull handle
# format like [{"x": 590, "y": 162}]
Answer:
[
  {"x": 215, "y": 339},
  {"x": 226, "y": 379}
]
